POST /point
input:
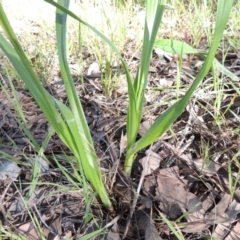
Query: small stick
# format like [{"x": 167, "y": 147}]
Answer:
[{"x": 44, "y": 223}]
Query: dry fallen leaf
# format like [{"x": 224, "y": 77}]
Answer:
[
  {"x": 194, "y": 227},
  {"x": 207, "y": 169},
  {"x": 217, "y": 213},
  {"x": 195, "y": 209},
  {"x": 168, "y": 185},
  {"x": 235, "y": 233},
  {"x": 151, "y": 233},
  {"x": 16, "y": 206},
  {"x": 123, "y": 144},
  {"x": 29, "y": 231},
  {"x": 149, "y": 184},
  {"x": 113, "y": 234},
  {"x": 209, "y": 201},
  {"x": 147, "y": 202},
  {"x": 122, "y": 88},
  {"x": 225, "y": 220},
  {"x": 150, "y": 163},
  {"x": 43, "y": 165},
  {"x": 57, "y": 238},
  {"x": 68, "y": 235},
  {"x": 9, "y": 170},
  {"x": 144, "y": 126},
  {"x": 145, "y": 223}
]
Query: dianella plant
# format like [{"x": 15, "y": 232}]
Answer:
[{"x": 69, "y": 122}]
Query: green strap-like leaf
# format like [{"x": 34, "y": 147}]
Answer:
[
  {"x": 154, "y": 13},
  {"x": 85, "y": 152},
  {"x": 163, "y": 122}
]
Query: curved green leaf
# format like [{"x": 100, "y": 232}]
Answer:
[{"x": 175, "y": 46}]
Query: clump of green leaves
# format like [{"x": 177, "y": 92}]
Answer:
[{"x": 70, "y": 123}]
